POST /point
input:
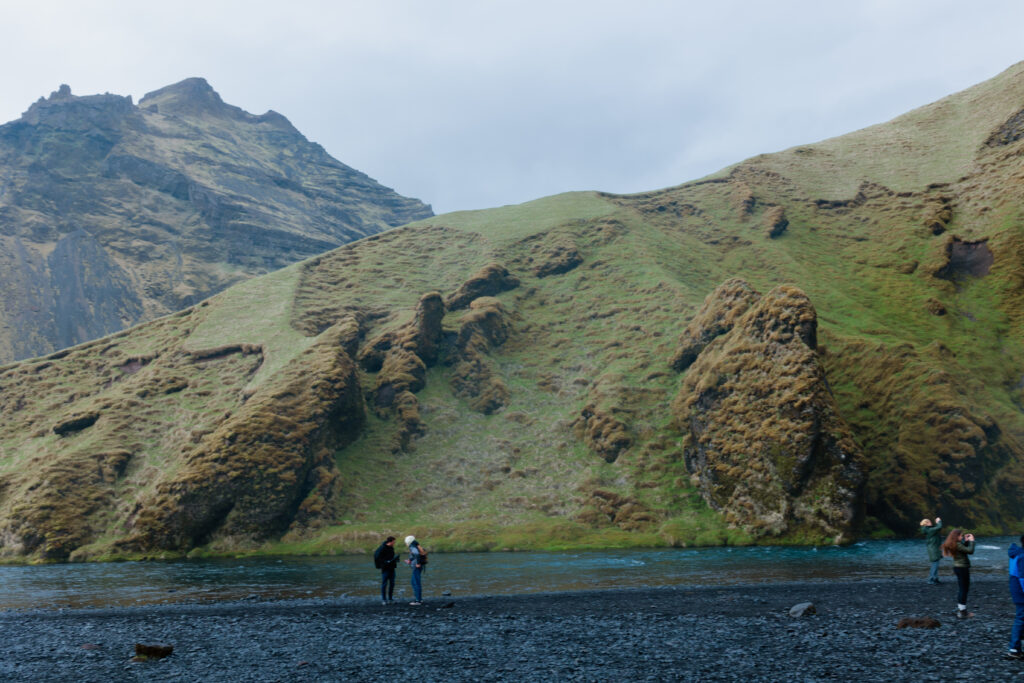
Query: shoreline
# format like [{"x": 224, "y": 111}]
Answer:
[{"x": 741, "y": 632}]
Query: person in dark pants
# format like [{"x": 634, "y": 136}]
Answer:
[
  {"x": 386, "y": 560},
  {"x": 958, "y": 546},
  {"x": 1016, "y": 553},
  {"x": 415, "y": 561},
  {"x": 933, "y": 541}
]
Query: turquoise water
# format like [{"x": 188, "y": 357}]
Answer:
[{"x": 136, "y": 583}]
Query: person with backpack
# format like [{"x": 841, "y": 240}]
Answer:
[
  {"x": 1016, "y": 554},
  {"x": 418, "y": 561},
  {"x": 933, "y": 541},
  {"x": 385, "y": 559}
]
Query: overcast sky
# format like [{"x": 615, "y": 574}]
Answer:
[{"x": 477, "y": 103}]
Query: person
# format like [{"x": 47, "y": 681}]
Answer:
[
  {"x": 958, "y": 546},
  {"x": 386, "y": 560},
  {"x": 1016, "y": 553},
  {"x": 933, "y": 541},
  {"x": 414, "y": 561}
]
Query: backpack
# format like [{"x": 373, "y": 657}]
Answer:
[
  {"x": 423, "y": 557},
  {"x": 376, "y": 558}
]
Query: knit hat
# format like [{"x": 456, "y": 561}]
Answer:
[{"x": 409, "y": 540}]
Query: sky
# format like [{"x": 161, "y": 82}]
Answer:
[{"x": 469, "y": 104}]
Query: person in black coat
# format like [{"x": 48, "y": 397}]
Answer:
[{"x": 386, "y": 560}]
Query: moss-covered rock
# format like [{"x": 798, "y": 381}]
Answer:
[
  {"x": 248, "y": 478},
  {"x": 491, "y": 280},
  {"x": 762, "y": 434},
  {"x": 484, "y": 327},
  {"x": 602, "y": 432},
  {"x": 720, "y": 311}
]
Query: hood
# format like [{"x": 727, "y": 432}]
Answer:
[{"x": 1014, "y": 551}]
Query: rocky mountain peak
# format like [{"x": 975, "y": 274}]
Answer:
[
  {"x": 190, "y": 97},
  {"x": 61, "y": 93},
  {"x": 63, "y": 109}
]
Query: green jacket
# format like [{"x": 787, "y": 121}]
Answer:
[
  {"x": 960, "y": 558},
  {"x": 933, "y": 540}
]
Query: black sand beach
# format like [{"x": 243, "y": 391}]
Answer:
[{"x": 741, "y": 633}]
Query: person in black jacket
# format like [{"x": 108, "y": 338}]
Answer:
[{"x": 386, "y": 560}]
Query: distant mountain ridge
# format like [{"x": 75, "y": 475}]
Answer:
[{"x": 113, "y": 213}]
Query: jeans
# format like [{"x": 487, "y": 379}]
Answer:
[
  {"x": 1018, "y": 624},
  {"x": 417, "y": 585},
  {"x": 963, "y": 583},
  {"x": 933, "y": 574},
  {"x": 387, "y": 583}
]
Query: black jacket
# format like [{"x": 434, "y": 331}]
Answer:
[{"x": 386, "y": 557}]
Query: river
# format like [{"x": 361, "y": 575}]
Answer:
[{"x": 354, "y": 577}]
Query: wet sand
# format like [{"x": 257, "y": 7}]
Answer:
[{"x": 741, "y": 633}]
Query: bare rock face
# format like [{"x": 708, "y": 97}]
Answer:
[
  {"x": 762, "y": 436},
  {"x": 965, "y": 259},
  {"x": 114, "y": 213}
]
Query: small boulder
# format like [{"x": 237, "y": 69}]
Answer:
[
  {"x": 918, "y": 622},
  {"x": 802, "y": 609},
  {"x": 147, "y": 652}
]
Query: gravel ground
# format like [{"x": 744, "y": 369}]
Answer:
[{"x": 741, "y": 633}]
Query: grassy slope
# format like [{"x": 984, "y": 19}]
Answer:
[{"x": 601, "y": 335}]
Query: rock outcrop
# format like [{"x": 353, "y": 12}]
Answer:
[
  {"x": 491, "y": 280},
  {"x": 486, "y": 326},
  {"x": 721, "y": 309},
  {"x": 274, "y": 456},
  {"x": 761, "y": 433}
]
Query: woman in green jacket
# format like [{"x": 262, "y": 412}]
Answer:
[{"x": 959, "y": 545}]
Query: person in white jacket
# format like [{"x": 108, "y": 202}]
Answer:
[{"x": 417, "y": 557}]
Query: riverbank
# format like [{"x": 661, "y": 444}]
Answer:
[{"x": 659, "y": 634}]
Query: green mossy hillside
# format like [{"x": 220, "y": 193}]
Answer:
[{"x": 582, "y": 370}]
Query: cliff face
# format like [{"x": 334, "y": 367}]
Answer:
[{"x": 112, "y": 213}]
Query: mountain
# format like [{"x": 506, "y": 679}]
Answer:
[
  {"x": 806, "y": 347},
  {"x": 113, "y": 213}
]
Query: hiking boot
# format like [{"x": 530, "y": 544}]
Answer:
[
  {"x": 1013, "y": 654},
  {"x": 963, "y": 614}
]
